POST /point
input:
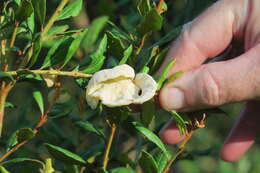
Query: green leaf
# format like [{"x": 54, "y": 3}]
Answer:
[
  {"x": 24, "y": 11},
  {"x": 57, "y": 29},
  {"x": 169, "y": 37},
  {"x": 58, "y": 48},
  {"x": 90, "y": 127},
  {"x": 152, "y": 21},
  {"x": 122, "y": 170},
  {"x": 151, "y": 137},
  {"x": 36, "y": 46},
  {"x": 61, "y": 110},
  {"x": 12, "y": 141},
  {"x": 148, "y": 113},
  {"x": 6, "y": 76},
  {"x": 161, "y": 160},
  {"x": 127, "y": 54},
  {"x": 115, "y": 46},
  {"x": 174, "y": 76},
  {"x": 9, "y": 105},
  {"x": 3, "y": 170},
  {"x": 23, "y": 159},
  {"x": 147, "y": 163},
  {"x": 144, "y": 58},
  {"x": 144, "y": 6},
  {"x": 24, "y": 134},
  {"x": 97, "y": 58},
  {"x": 181, "y": 123},
  {"x": 63, "y": 50},
  {"x": 157, "y": 60},
  {"x": 72, "y": 10},
  {"x": 65, "y": 155},
  {"x": 163, "y": 77},
  {"x": 93, "y": 31},
  {"x": 39, "y": 100},
  {"x": 73, "y": 48},
  {"x": 40, "y": 9}
]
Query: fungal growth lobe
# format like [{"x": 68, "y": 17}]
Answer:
[{"x": 119, "y": 86}]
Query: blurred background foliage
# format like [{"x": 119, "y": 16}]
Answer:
[{"x": 62, "y": 129}]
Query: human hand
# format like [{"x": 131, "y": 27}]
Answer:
[{"x": 217, "y": 83}]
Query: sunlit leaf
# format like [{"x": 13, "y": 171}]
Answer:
[
  {"x": 39, "y": 100},
  {"x": 72, "y": 10},
  {"x": 97, "y": 58},
  {"x": 163, "y": 77},
  {"x": 127, "y": 55}
]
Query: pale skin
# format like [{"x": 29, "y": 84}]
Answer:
[{"x": 218, "y": 83}]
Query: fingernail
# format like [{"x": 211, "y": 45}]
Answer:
[{"x": 176, "y": 99}]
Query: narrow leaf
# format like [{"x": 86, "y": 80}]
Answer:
[
  {"x": 39, "y": 100},
  {"x": 23, "y": 159},
  {"x": 147, "y": 163},
  {"x": 181, "y": 123},
  {"x": 148, "y": 113},
  {"x": 6, "y": 76},
  {"x": 127, "y": 54},
  {"x": 144, "y": 6},
  {"x": 64, "y": 155},
  {"x": 93, "y": 31},
  {"x": 163, "y": 76},
  {"x": 151, "y": 137},
  {"x": 3, "y": 170},
  {"x": 72, "y": 10},
  {"x": 40, "y": 9},
  {"x": 90, "y": 127},
  {"x": 97, "y": 58}
]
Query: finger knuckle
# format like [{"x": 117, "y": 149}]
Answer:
[{"x": 211, "y": 90}]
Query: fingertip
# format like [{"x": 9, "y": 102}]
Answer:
[
  {"x": 170, "y": 134},
  {"x": 231, "y": 152}
]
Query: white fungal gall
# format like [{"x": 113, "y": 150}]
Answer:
[{"x": 119, "y": 86}]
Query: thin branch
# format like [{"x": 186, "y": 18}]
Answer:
[
  {"x": 108, "y": 146},
  {"x": 14, "y": 34},
  {"x": 43, "y": 120},
  {"x": 54, "y": 72},
  {"x": 55, "y": 16},
  {"x": 4, "y": 91},
  {"x": 141, "y": 44},
  {"x": 181, "y": 149}
]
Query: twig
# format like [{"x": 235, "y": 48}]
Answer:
[
  {"x": 139, "y": 48},
  {"x": 14, "y": 34},
  {"x": 181, "y": 149},
  {"x": 108, "y": 146},
  {"x": 55, "y": 16},
  {"x": 16, "y": 147},
  {"x": 43, "y": 120},
  {"x": 4, "y": 91},
  {"x": 54, "y": 72}
]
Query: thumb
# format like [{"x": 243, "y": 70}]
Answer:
[{"x": 215, "y": 84}]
